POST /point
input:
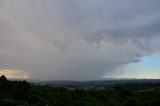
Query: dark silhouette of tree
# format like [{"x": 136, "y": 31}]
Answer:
[{"x": 3, "y": 78}]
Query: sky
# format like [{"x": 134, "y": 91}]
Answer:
[{"x": 79, "y": 39}]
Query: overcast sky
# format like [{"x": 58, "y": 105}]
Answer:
[{"x": 77, "y": 39}]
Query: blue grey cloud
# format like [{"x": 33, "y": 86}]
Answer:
[{"x": 77, "y": 40}]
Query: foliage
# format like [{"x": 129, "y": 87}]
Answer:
[{"x": 14, "y": 93}]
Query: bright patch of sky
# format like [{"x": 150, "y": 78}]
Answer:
[{"x": 148, "y": 67}]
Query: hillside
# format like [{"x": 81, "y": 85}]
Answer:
[{"x": 22, "y": 93}]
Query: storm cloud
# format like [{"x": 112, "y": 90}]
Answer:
[{"x": 77, "y": 39}]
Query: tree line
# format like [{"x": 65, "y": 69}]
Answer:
[{"x": 22, "y": 93}]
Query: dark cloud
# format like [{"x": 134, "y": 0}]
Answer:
[{"x": 78, "y": 40}]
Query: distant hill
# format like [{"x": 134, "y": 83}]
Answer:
[{"x": 99, "y": 82}]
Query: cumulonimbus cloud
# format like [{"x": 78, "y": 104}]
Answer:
[{"x": 74, "y": 39}]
